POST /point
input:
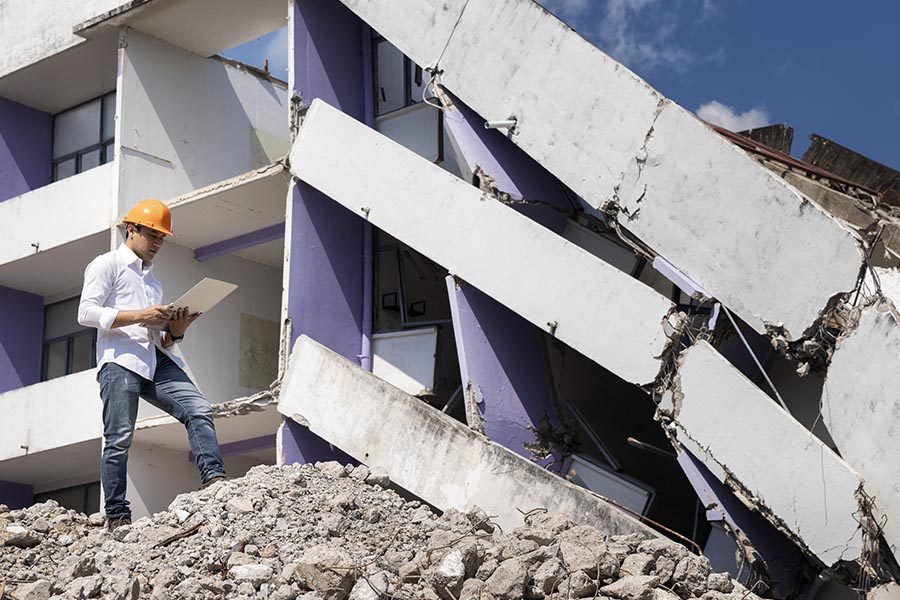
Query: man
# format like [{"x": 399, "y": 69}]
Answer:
[{"x": 121, "y": 298}]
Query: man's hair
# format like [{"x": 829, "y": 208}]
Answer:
[{"x": 137, "y": 228}]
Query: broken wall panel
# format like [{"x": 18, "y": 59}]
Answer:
[
  {"x": 771, "y": 460},
  {"x": 426, "y": 452},
  {"x": 861, "y": 408},
  {"x": 591, "y": 306},
  {"x": 588, "y": 120}
]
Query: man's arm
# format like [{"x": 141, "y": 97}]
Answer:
[
  {"x": 99, "y": 279},
  {"x": 181, "y": 320}
]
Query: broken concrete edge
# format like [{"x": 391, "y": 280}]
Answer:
[
  {"x": 278, "y": 167},
  {"x": 111, "y": 18},
  {"x": 495, "y": 478},
  {"x": 234, "y": 408}
]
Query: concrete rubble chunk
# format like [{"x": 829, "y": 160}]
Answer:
[
  {"x": 578, "y": 585},
  {"x": 592, "y": 559},
  {"x": 637, "y": 564},
  {"x": 379, "y": 477},
  {"x": 508, "y": 580},
  {"x": 549, "y": 575},
  {"x": 327, "y": 570},
  {"x": 255, "y": 573},
  {"x": 632, "y": 587},
  {"x": 19, "y": 537},
  {"x": 448, "y": 575},
  {"x": 37, "y": 590}
]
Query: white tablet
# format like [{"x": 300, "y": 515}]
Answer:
[{"x": 204, "y": 295}]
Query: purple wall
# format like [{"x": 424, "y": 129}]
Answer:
[
  {"x": 16, "y": 495},
  {"x": 325, "y": 294},
  {"x": 21, "y": 333},
  {"x": 501, "y": 354},
  {"x": 25, "y": 149}
]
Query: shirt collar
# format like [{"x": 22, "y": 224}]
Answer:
[{"x": 127, "y": 257}]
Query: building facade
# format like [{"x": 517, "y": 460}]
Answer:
[{"x": 465, "y": 209}]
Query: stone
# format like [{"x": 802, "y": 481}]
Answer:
[
  {"x": 631, "y": 587},
  {"x": 659, "y": 547},
  {"x": 74, "y": 567},
  {"x": 508, "y": 581},
  {"x": 637, "y": 564},
  {"x": 18, "y": 537},
  {"x": 36, "y": 590},
  {"x": 487, "y": 569},
  {"x": 578, "y": 585},
  {"x": 253, "y": 573},
  {"x": 41, "y": 525},
  {"x": 548, "y": 576},
  {"x": 360, "y": 472},
  {"x": 239, "y": 505},
  {"x": 472, "y": 589},
  {"x": 690, "y": 576},
  {"x": 379, "y": 477},
  {"x": 326, "y": 569},
  {"x": 372, "y": 587},
  {"x": 284, "y": 592},
  {"x": 595, "y": 561},
  {"x": 331, "y": 469},
  {"x": 720, "y": 582},
  {"x": 664, "y": 568},
  {"x": 84, "y": 587},
  {"x": 447, "y": 576}
]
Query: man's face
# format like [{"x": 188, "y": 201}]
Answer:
[{"x": 145, "y": 242}]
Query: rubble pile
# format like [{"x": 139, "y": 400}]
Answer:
[{"x": 334, "y": 532}]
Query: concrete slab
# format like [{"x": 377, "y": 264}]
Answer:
[
  {"x": 778, "y": 467},
  {"x": 861, "y": 409},
  {"x": 426, "y": 452},
  {"x": 614, "y": 139},
  {"x": 593, "y": 307}
]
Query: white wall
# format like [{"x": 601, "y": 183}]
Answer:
[
  {"x": 211, "y": 347},
  {"x": 58, "y": 213},
  {"x": 46, "y": 415},
  {"x": 157, "y": 474},
  {"x": 32, "y": 31},
  {"x": 414, "y": 127},
  {"x": 188, "y": 121}
]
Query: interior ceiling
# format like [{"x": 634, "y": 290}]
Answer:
[
  {"x": 68, "y": 78},
  {"x": 55, "y": 270},
  {"x": 42, "y": 469},
  {"x": 205, "y": 27},
  {"x": 231, "y": 210}
]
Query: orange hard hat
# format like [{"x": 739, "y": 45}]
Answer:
[{"x": 151, "y": 213}]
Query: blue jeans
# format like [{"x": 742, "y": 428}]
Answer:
[{"x": 171, "y": 391}]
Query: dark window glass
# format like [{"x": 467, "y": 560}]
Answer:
[
  {"x": 81, "y": 136},
  {"x": 68, "y": 347}
]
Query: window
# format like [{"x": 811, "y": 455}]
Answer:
[
  {"x": 399, "y": 82},
  {"x": 83, "y": 136},
  {"x": 83, "y": 498},
  {"x": 68, "y": 347}
]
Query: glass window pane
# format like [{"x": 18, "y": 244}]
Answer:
[
  {"x": 61, "y": 319},
  {"x": 109, "y": 116},
  {"x": 109, "y": 151},
  {"x": 76, "y": 128},
  {"x": 89, "y": 160},
  {"x": 418, "y": 79},
  {"x": 65, "y": 169},
  {"x": 82, "y": 352},
  {"x": 56, "y": 359},
  {"x": 389, "y": 92}
]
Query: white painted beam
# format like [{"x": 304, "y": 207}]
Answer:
[
  {"x": 722, "y": 219},
  {"x": 426, "y": 452},
  {"x": 770, "y": 459},
  {"x": 593, "y": 307},
  {"x": 861, "y": 408}
]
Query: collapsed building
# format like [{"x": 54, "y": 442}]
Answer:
[{"x": 474, "y": 251}]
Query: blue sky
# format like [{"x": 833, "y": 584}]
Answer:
[{"x": 823, "y": 66}]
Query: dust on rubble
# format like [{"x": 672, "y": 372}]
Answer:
[{"x": 335, "y": 532}]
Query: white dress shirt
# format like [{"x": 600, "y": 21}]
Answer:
[{"x": 118, "y": 281}]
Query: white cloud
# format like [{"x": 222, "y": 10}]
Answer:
[
  {"x": 725, "y": 116},
  {"x": 641, "y": 51}
]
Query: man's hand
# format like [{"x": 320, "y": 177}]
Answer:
[
  {"x": 156, "y": 316},
  {"x": 180, "y": 321}
]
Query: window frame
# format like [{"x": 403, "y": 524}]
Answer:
[
  {"x": 408, "y": 70},
  {"x": 69, "y": 338},
  {"x": 78, "y": 154}
]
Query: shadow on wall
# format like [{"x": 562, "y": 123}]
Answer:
[
  {"x": 25, "y": 147},
  {"x": 21, "y": 326}
]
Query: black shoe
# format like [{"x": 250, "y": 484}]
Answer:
[
  {"x": 212, "y": 480},
  {"x": 113, "y": 524}
]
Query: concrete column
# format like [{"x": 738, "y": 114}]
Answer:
[
  {"x": 502, "y": 366},
  {"x": 325, "y": 292},
  {"x": 21, "y": 327},
  {"x": 25, "y": 149},
  {"x": 16, "y": 495}
]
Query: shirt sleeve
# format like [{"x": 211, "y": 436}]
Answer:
[{"x": 99, "y": 278}]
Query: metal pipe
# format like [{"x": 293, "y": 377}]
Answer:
[
  {"x": 365, "y": 351},
  {"x": 504, "y": 124}
]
